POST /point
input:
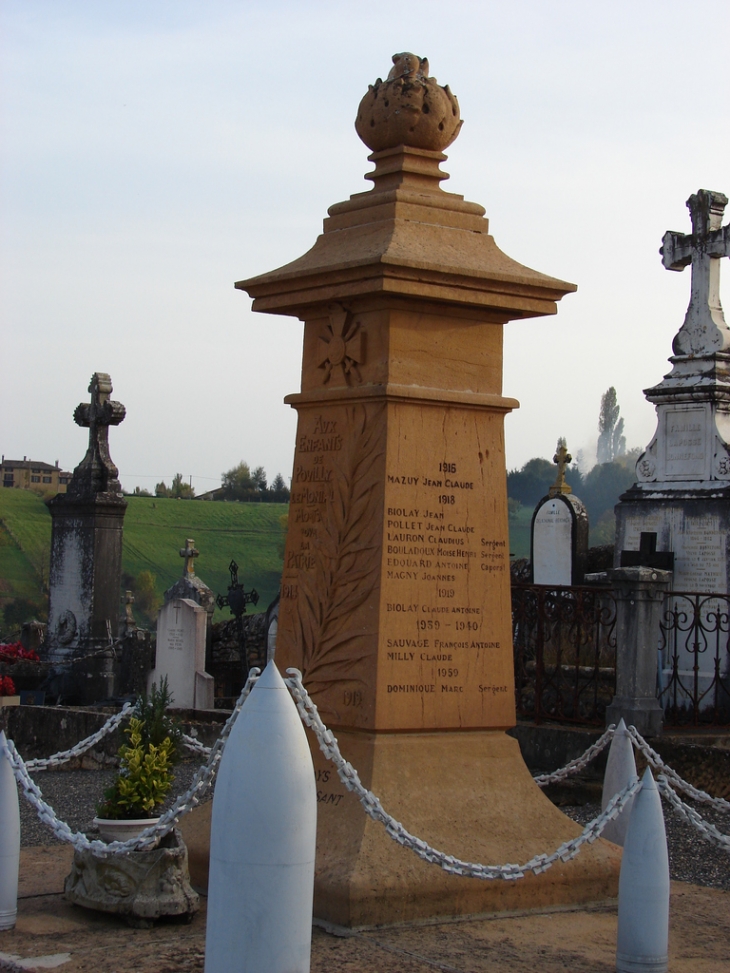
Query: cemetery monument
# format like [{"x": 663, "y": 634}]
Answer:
[
  {"x": 682, "y": 489},
  {"x": 679, "y": 507},
  {"x": 86, "y": 558},
  {"x": 395, "y": 598}
]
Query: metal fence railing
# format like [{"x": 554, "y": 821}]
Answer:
[
  {"x": 564, "y": 652},
  {"x": 694, "y": 645}
]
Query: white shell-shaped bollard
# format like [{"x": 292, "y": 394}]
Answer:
[
  {"x": 263, "y": 840},
  {"x": 620, "y": 771},
  {"x": 9, "y": 842},
  {"x": 643, "y": 889}
]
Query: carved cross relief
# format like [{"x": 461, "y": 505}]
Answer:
[
  {"x": 704, "y": 331},
  {"x": 341, "y": 345},
  {"x": 96, "y": 473}
]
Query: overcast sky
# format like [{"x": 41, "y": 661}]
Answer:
[{"x": 155, "y": 152}]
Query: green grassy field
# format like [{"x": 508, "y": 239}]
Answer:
[
  {"x": 519, "y": 533},
  {"x": 154, "y": 531}
]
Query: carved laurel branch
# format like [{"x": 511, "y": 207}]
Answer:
[{"x": 347, "y": 558}]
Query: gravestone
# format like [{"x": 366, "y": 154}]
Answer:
[
  {"x": 395, "y": 595},
  {"x": 86, "y": 560},
  {"x": 682, "y": 489},
  {"x": 559, "y": 532},
  {"x": 191, "y": 586},
  {"x": 180, "y": 654}
]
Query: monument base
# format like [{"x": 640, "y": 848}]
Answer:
[
  {"x": 645, "y": 714},
  {"x": 467, "y": 793}
]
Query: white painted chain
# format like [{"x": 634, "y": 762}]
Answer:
[
  {"x": 48, "y": 763},
  {"x": 150, "y": 837},
  {"x": 580, "y": 763},
  {"x": 348, "y": 775},
  {"x": 707, "y": 830},
  {"x": 719, "y": 803},
  {"x": 455, "y": 866}
]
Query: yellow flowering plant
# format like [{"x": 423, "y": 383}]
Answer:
[{"x": 144, "y": 779}]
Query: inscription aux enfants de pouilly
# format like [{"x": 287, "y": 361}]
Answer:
[{"x": 428, "y": 549}]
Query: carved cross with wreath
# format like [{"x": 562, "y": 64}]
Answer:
[{"x": 341, "y": 345}]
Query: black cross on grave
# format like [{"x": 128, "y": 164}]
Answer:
[
  {"x": 96, "y": 473},
  {"x": 236, "y": 600},
  {"x": 704, "y": 331},
  {"x": 647, "y": 556}
]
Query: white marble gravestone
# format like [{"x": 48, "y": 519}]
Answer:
[
  {"x": 181, "y": 634},
  {"x": 559, "y": 535}
]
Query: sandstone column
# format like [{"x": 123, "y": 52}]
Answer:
[{"x": 395, "y": 593}]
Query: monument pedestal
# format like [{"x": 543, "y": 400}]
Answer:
[{"x": 467, "y": 794}]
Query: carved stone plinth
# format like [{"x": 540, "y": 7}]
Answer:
[{"x": 142, "y": 885}]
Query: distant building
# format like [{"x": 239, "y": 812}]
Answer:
[{"x": 30, "y": 474}]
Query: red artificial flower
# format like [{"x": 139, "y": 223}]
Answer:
[{"x": 7, "y": 686}]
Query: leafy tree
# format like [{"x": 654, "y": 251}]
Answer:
[
  {"x": 22, "y": 610},
  {"x": 146, "y": 598},
  {"x": 258, "y": 479},
  {"x": 532, "y": 482},
  {"x": 611, "y": 440},
  {"x": 139, "y": 492},
  {"x": 602, "y": 488},
  {"x": 238, "y": 483},
  {"x": 278, "y": 491},
  {"x": 179, "y": 489}
]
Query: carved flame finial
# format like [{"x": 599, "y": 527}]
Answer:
[{"x": 409, "y": 108}]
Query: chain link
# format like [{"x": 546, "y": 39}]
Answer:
[
  {"x": 580, "y": 763},
  {"x": 348, "y": 775},
  {"x": 719, "y": 803},
  {"x": 150, "y": 837},
  {"x": 48, "y": 763},
  {"x": 454, "y": 866}
]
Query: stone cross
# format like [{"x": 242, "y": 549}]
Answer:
[
  {"x": 704, "y": 331},
  {"x": 96, "y": 473},
  {"x": 562, "y": 457},
  {"x": 189, "y": 552},
  {"x": 128, "y": 602}
]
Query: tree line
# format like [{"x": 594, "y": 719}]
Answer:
[{"x": 239, "y": 483}]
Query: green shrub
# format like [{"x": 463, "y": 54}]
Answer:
[{"x": 144, "y": 779}]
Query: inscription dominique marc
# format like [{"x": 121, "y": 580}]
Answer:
[{"x": 435, "y": 542}]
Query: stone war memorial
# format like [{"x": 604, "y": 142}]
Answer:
[
  {"x": 86, "y": 559},
  {"x": 395, "y": 599},
  {"x": 559, "y": 531}
]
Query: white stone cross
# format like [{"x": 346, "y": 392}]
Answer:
[
  {"x": 704, "y": 331},
  {"x": 189, "y": 552}
]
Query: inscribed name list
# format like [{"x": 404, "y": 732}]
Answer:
[{"x": 397, "y": 567}]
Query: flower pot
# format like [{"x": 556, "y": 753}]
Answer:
[{"x": 121, "y": 830}]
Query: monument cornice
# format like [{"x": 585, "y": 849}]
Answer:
[
  {"x": 407, "y": 237},
  {"x": 411, "y": 393}
]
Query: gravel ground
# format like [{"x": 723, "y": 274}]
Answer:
[
  {"x": 691, "y": 857},
  {"x": 74, "y": 794}
]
